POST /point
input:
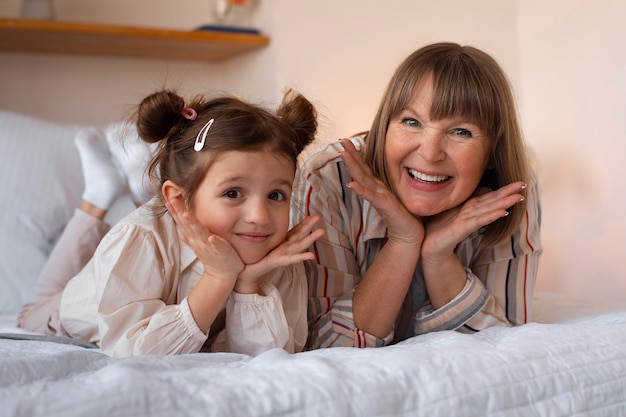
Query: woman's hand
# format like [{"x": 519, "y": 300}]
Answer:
[
  {"x": 444, "y": 275},
  {"x": 219, "y": 258},
  {"x": 402, "y": 226},
  {"x": 291, "y": 251},
  {"x": 379, "y": 296},
  {"x": 446, "y": 230}
]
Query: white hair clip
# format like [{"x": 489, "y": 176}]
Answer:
[{"x": 201, "y": 138}]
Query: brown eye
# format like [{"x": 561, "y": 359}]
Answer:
[
  {"x": 277, "y": 196},
  {"x": 233, "y": 194}
]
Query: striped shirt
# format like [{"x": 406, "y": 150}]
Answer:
[{"x": 500, "y": 279}]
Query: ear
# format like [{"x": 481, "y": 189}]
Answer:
[{"x": 172, "y": 191}]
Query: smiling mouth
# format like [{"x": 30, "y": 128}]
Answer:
[
  {"x": 253, "y": 237},
  {"x": 426, "y": 178}
]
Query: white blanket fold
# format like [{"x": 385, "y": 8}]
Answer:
[{"x": 573, "y": 368}]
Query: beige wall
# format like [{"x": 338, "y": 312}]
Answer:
[
  {"x": 566, "y": 59},
  {"x": 573, "y": 67},
  {"x": 98, "y": 90},
  {"x": 344, "y": 52},
  {"x": 330, "y": 54}
]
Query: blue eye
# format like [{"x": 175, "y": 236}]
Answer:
[
  {"x": 411, "y": 122},
  {"x": 233, "y": 194},
  {"x": 462, "y": 132}
]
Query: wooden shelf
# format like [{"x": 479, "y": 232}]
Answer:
[{"x": 20, "y": 35}]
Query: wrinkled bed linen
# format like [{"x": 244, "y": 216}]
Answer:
[{"x": 572, "y": 368}]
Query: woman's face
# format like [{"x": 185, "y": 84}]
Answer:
[
  {"x": 244, "y": 198},
  {"x": 434, "y": 165}
]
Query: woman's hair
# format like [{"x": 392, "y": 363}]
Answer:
[
  {"x": 467, "y": 83},
  {"x": 164, "y": 118}
]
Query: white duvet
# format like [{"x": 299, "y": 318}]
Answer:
[{"x": 577, "y": 368}]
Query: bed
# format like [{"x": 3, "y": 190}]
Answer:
[{"x": 571, "y": 360}]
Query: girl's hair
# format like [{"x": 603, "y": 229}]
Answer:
[
  {"x": 468, "y": 83},
  {"x": 164, "y": 118}
]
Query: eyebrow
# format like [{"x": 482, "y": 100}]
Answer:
[{"x": 285, "y": 183}]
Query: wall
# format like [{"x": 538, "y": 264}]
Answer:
[
  {"x": 344, "y": 52},
  {"x": 566, "y": 60},
  {"x": 330, "y": 54},
  {"x": 98, "y": 90},
  {"x": 573, "y": 66}
]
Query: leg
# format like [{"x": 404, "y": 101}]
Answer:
[
  {"x": 103, "y": 184},
  {"x": 71, "y": 253}
]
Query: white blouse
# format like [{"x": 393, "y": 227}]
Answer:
[{"x": 131, "y": 298}]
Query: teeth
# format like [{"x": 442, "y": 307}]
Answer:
[{"x": 427, "y": 178}]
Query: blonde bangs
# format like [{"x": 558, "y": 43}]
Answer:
[{"x": 460, "y": 92}]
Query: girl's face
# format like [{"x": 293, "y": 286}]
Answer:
[
  {"x": 244, "y": 198},
  {"x": 433, "y": 165}
]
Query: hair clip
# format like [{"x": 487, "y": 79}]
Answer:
[
  {"x": 189, "y": 113},
  {"x": 203, "y": 132}
]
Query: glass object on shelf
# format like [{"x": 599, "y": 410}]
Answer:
[
  {"x": 38, "y": 9},
  {"x": 232, "y": 12}
]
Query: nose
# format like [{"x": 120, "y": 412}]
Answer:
[
  {"x": 257, "y": 212},
  {"x": 431, "y": 146}
]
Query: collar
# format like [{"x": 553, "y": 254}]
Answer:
[
  {"x": 187, "y": 256},
  {"x": 374, "y": 226}
]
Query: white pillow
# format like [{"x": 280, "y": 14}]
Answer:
[
  {"x": 43, "y": 183},
  {"x": 43, "y": 186}
]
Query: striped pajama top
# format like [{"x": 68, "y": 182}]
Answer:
[{"x": 500, "y": 279}]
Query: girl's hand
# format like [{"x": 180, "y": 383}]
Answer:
[
  {"x": 446, "y": 230},
  {"x": 219, "y": 258},
  {"x": 402, "y": 226},
  {"x": 291, "y": 251}
]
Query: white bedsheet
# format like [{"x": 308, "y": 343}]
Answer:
[{"x": 573, "y": 368}]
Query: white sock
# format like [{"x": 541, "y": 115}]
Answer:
[
  {"x": 132, "y": 155},
  {"x": 103, "y": 181}
]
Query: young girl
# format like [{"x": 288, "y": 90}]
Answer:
[{"x": 209, "y": 263}]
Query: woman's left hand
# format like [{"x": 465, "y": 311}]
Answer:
[
  {"x": 446, "y": 230},
  {"x": 444, "y": 275}
]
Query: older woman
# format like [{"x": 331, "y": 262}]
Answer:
[{"x": 432, "y": 218}]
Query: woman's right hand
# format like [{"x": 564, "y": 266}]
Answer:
[
  {"x": 402, "y": 226},
  {"x": 382, "y": 289}
]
